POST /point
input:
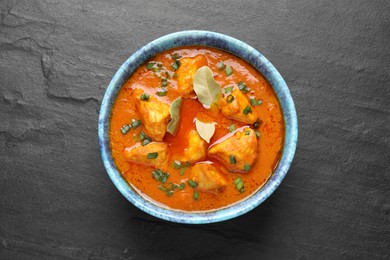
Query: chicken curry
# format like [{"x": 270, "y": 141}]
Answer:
[{"x": 196, "y": 128}]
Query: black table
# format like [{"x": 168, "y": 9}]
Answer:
[{"x": 56, "y": 200}]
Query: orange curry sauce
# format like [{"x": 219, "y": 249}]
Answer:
[{"x": 140, "y": 176}]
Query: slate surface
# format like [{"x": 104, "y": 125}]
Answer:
[{"x": 56, "y": 201}]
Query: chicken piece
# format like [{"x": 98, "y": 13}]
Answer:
[
  {"x": 208, "y": 177},
  {"x": 152, "y": 154},
  {"x": 235, "y": 109},
  {"x": 186, "y": 72},
  {"x": 238, "y": 151},
  {"x": 197, "y": 148},
  {"x": 155, "y": 115}
]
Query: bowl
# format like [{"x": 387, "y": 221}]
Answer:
[{"x": 238, "y": 48}]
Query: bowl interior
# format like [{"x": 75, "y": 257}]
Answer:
[{"x": 238, "y": 48}]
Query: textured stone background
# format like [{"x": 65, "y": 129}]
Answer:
[{"x": 56, "y": 201}]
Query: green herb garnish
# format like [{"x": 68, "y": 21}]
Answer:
[
  {"x": 196, "y": 195},
  {"x": 192, "y": 183},
  {"x": 228, "y": 70},
  {"x": 247, "y": 167},
  {"x": 135, "y": 123},
  {"x": 164, "y": 177},
  {"x": 221, "y": 65},
  {"x": 152, "y": 155},
  {"x": 255, "y": 102},
  {"x": 150, "y": 65},
  {"x": 239, "y": 184},
  {"x": 232, "y": 127},
  {"x": 230, "y": 99},
  {"x": 176, "y": 65},
  {"x": 181, "y": 165},
  {"x": 154, "y": 69},
  {"x": 247, "y": 110},
  {"x": 185, "y": 164},
  {"x": 228, "y": 90},
  {"x": 145, "y": 142},
  {"x": 180, "y": 186},
  {"x": 125, "y": 128},
  {"x": 257, "y": 124},
  {"x": 176, "y": 165},
  {"x": 232, "y": 159},
  {"x": 144, "y": 97},
  {"x": 167, "y": 191},
  {"x": 176, "y": 56},
  {"x": 160, "y": 176},
  {"x": 144, "y": 138},
  {"x": 247, "y": 132},
  {"x": 162, "y": 93},
  {"x": 164, "y": 82},
  {"x": 257, "y": 134},
  {"x": 244, "y": 88}
]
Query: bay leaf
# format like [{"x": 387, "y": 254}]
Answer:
[
  {"x": 207, "y": 90},
  {"x": 175, "y": 116},
  {"x": 205, "y": 130}
]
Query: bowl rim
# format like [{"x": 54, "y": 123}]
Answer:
[{"x": 237, "y": 48}]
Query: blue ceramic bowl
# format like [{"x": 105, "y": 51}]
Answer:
[{"x": 226, "y": 43}]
